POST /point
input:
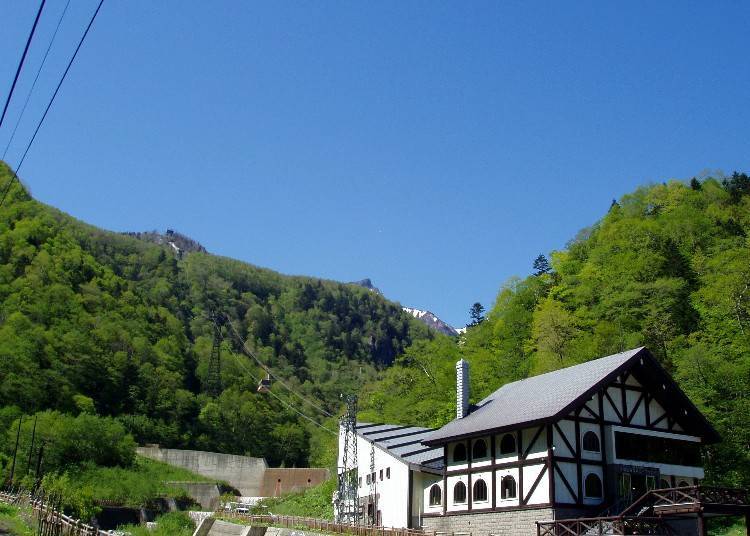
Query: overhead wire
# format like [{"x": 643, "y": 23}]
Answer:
[
  {"x": 36, "y": 78},
  {"x": 20, "y": 63},
  {"x": 49, "y": 105},
  {"x": 277, "y": 397},
  {"x": 268, "y": 370}
]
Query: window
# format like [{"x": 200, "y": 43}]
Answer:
[
  {"x": 388, "y": 472},
  {"x": 360, "y": 482},
  {"x": 480, "y": 490},
  {"x": 683, "y": 484},
  {"x": 508, "y": 444},
  {"x": 591, "y": 442},
  {"x": 459, "y": 492},
  {"x": 381, "y": 475},
  {"x": 436, "y": 495},
  {"x": 656, "y": 449},
  {"x": 459, "y": 453},
  {"x": 664, "y": 483},
  {"x": 593, "y": 486},
  {"x": 368, "y": 480},
  {"x": 479, "y": 450},
  {"x": 508, "y": 487}
]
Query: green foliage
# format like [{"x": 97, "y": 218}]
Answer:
[
  {"x": 69, "y": 441},
  {"x": 97, "y": 323},
  {"x": 12, "y": 523},
  {"x": 667, "y": 267},
  {"x": 313, "y": 502},
  {"x": 171, "y": 524}
]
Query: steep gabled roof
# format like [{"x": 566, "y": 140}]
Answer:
[
  {"x": 404, "y": 443},
  {"x": 550, "y": 396}
]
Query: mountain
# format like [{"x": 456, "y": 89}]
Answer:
[
  {"x": 426, "y": 317},
  {"x": 666, "y": 267},
  {"x": 96, "y": 321},
  {"x": 180, "y": 243},
  {"x": 431, "y": 320}
]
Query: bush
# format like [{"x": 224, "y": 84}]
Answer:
[
  {"x": 171, "y": 524},
  {"x": 69, "y": 441}
]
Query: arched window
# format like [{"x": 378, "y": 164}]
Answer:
[
  {"x": 479, "y": 450},
  {"x": 459, "y": 453},
  {"x": 508, "y": 487},
  {"x": 683, "y": 484},
  {"x": 459, "y": 492},
  {"x": 591, "y": 442},
  {"x": 664, "y": 484},
  {"x": 480, "y": 490},
  {"x": 436, "y": 495},
  {"x": 508, "y": 444},
  {"x": 593, "y": 486}
]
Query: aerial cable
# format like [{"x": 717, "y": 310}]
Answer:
[
  {"x": 285, "y": 403},
  {"x": 36, "y": 78},
  {"x": 49, "y": 105},
  {"x": 20, "y": 63},
  {"x": 268, "y": 371}
]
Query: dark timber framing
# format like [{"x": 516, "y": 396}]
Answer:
[{"x": 562, "y": 443}]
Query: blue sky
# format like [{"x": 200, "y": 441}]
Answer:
[{"x": 434, "y": 147}]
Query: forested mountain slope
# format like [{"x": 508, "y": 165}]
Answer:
[
  {"x": 667, "y": 267},
  {"x": 97, "y": 321}
]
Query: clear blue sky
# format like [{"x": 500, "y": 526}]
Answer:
[{"x": 436, "y": 148}]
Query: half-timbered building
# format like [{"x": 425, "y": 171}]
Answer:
[
  {"x": 586, "y": 440},
  {"x": 576, "y": 441}
]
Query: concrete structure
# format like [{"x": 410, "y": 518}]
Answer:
[
  {"x": 206, "y": 494},
  {"x": 241, "y": 472},
  {"x": 250, "y": 476}
]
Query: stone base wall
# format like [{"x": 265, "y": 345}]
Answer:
[{"x": 507, "y": 523}]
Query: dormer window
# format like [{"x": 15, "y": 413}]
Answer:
[
  {"x": 591, "y": 442},
  {"x": 480, "y": 449},
  {"x": 459, "y": 453},
  {"x": 508, "y": 444}
]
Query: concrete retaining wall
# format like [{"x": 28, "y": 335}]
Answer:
[
  {"x": 204, "y": 493},
  {"x": 242, "y": 472}
]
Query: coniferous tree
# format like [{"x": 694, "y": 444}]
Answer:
[
  {"x": 476, "y": 313},
  {"x": 541, "y": 265}
]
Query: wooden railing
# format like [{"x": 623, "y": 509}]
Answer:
[
  {"x": 603, "y": 525},
  {"x": 644, "y": 516},
  {"x": 322, "y": 525},
  {"x": 48, "y": 519}
]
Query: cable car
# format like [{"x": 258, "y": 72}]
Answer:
[{"x": 264, "y": 385}]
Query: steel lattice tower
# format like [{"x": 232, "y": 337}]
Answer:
[
  {"x": 373, "y": 488},
  {"x": 348, "y": 501},
  {"x": 213, "y": 379}
]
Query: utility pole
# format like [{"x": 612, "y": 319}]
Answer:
[
  {"x": 31, "y": 447},
  {"x": 15, "y": 451},
  {"x": 348, "y": 511},
  {"x": 213, "y": 380}
]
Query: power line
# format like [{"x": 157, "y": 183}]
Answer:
[
  {"x": 36, "y": 78},
  {"x": 20, "y": 63},
  {"x": 54, "y": 95},
  {"x": 285, "y": 403},
  {"x": 268, "y": 370}
]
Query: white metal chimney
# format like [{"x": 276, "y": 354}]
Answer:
[{"x": 462, "y": 389}]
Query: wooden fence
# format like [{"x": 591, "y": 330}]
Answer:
[
  {"x": 48, "y": 519},
  {"x": 323, "y": 525}
]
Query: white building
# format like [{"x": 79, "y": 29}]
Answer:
[
  {"x": 568, "y": 443},
  {"x": 392, "y": 464}
]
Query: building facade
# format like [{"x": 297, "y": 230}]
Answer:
[{"x": 581, "y": 441}]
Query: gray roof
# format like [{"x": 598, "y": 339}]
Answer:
[
  {"x": 533, "y": 399},
  {"x": 404, "y": 443}
]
